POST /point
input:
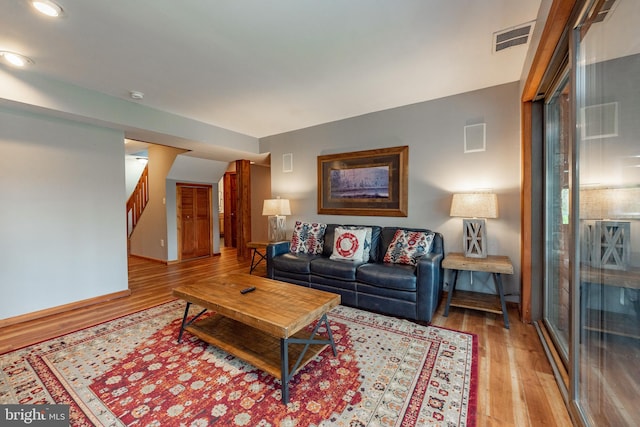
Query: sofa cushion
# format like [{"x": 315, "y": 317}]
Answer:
[
  {"x": 408, "y": 246},
  {"x": 366, "y": 251},
  {"x": 391, "y": 276},
  {"x": 374, "y": 253},
  {"x": 376, "y": 231},
  {"x": 388, "y": 233},
  {"x": 294, "y": 263},
  {"x": 308, "y": 238},
  {"x": 349, "y": 244},
  {"x": 337, "y": 269}
]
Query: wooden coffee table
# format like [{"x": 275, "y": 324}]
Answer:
[{"x": 265, "y": 327}]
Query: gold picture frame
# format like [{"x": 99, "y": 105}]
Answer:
[{"x": 369, "y": 183}]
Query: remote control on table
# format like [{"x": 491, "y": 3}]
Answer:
[{"x": 247, "y": 290}]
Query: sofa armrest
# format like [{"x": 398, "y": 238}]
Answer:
[
  {"x": 429, "y": 279},
  {"x": 273, "y": 250}
]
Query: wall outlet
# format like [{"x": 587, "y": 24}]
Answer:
[{"x": 162, "y": 243}]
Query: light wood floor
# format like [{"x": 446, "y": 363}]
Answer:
[{"x": 515, "y": 388}]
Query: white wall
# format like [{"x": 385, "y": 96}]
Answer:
[
  {"x": 133, "y": 171},
  {"x": 438, "y": 167},
  {"x": 25, "y": 90},
  {"x": 62, "y": 204}
]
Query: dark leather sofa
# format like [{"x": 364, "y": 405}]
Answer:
[{"x": 400, "y": 290}]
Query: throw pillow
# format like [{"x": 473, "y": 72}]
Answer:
[
  {"x": 367, "y": 240},
  {"x": 348, "y": 244},
  {"x": 308, "y": 238},
  {"x": 408, "y": 246}
]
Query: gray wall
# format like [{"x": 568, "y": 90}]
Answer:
[
  {"x": 260, "y": 190},
  {"x": 62, "y": 222},
  {"x": 612, "y": 161},
  {"x": 438, "y": 166}
]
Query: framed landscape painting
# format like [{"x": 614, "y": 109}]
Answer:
[{"x": 371, "y": 182}]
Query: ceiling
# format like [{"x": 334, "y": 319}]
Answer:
[{"x": 265, "y": 67}]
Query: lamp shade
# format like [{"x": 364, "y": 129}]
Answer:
[
  {"x": 477, "y": 205},
  {"x": 610, "y": 203},
  {"x": 276, "y": 207}
]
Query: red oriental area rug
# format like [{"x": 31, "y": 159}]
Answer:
[{"x": 131, "y": 371}]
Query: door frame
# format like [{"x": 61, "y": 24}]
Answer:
[{"x": 557, "y": 21}]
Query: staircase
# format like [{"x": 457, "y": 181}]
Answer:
[{"x": 137, "y": 201}]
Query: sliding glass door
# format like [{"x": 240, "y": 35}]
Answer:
[
  {"x": 607, "y": 238},
  {"x": 591, "y": 304}
]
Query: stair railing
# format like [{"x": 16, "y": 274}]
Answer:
[{"x": 137, "y": 201}]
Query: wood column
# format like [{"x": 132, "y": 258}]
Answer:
[{"x": 243, "y": 217}]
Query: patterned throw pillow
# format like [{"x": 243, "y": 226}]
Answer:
[
  {"x": 348, "y": 244},
  {"x": 367, "y": 240},
  {"x": 308, "y": 238},
  {"x": 407, "y": 246}
]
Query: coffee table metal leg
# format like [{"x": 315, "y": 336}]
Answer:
[
  {"x": 285, "y": 373},
  {"x": 186, "y": 323},
  {"x": 333, "y": 344},
  {"x": 284, "y": 369}
]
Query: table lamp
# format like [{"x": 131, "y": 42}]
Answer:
[
  {"x": 606, "y": 237},
  {"x": 474, "y": 208},
  {"x": 276, "y": 210}
]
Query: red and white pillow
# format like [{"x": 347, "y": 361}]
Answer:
[
  {"x": 308, "y": 238},
  {"x": 366, "y": 253},
  {"x": 349, "y": 244},
  {"x": 408, "y": 246}
]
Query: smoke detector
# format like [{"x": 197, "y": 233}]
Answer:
[{"x": 134, "y": 94}]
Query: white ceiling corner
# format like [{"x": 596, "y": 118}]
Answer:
[{"x": 265, "y": 67}]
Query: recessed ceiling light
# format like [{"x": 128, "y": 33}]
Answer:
[
  {"x": 15, "y": 59},
  {"x": 47, "y": 7}
]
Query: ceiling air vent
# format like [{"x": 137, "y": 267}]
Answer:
[
  {"x": 511, "y": 37},
  {"x": 604, "y": 11}
]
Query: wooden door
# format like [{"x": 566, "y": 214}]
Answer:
[
  {"x": 194, "y": 219},
  {"x": 230, "y": 209}
]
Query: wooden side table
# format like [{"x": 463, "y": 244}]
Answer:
[
  {"x": 495, "y": 264},
  {"x": 599, "y": 319},
  {"x": 257, "y": 256}
]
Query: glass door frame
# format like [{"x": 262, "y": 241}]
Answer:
[
  {"x": 579, "y": 27},
  {"x": 563, "y": 77},
  {"x": 574, "y": 26}
]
